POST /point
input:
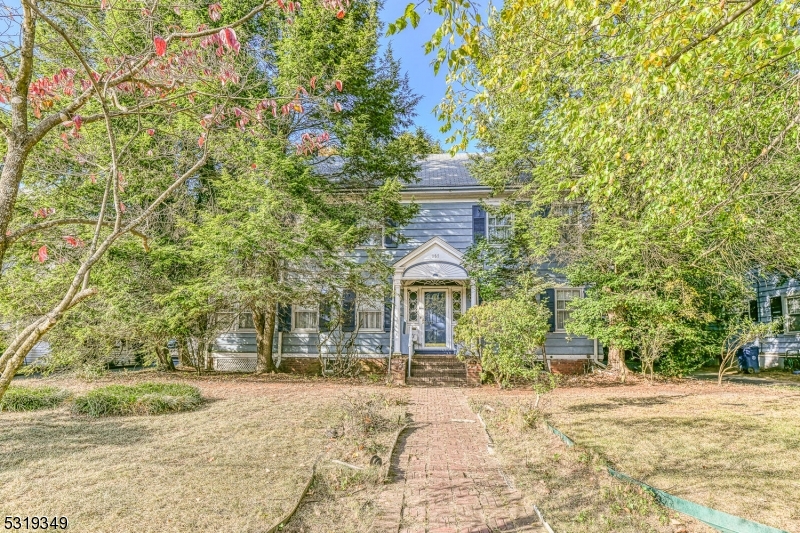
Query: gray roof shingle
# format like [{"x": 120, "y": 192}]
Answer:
[
  {"x": 435, "y": 171},
  {"x": 443, "y": 170}
]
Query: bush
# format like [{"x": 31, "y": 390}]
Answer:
[
  {"x": 32, "y": 398},
  {"x": 141, "y": 399}
]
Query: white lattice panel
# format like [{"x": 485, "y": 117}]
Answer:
[{"x": 234, "y": 363}]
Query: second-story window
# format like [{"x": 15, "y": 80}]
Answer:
[{"x": 498, "y": 228}]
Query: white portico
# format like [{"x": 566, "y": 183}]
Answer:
[{"x": 431, "y": 291}]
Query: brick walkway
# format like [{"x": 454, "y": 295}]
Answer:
[{"x": 444, "y": 479}]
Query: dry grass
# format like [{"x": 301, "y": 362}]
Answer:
[
  {"x": 236, "y": 464},
  {"x": 732, "y": 448},
  {"x": 344, "y": 500}
]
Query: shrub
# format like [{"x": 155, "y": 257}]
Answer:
[
  {"x": 32, "y": 398},
  {"x": 505, "y": 335},
  {"x": 141, "y": 399}
]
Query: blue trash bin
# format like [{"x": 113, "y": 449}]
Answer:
[{"x": 748, "y": 359}]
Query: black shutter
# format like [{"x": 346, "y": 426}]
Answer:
[
  {"x": 776, "y": 311},
  {"x": 284, "y": 317},
  {"x": 550, "y": 301},
  {"x": 325, "y": 311},
  {"x": 348, "y": 310},
  {"x": 478, "y": 223},
  {"x": 754, "y": 310},
  {"x": 387, "y": 314},
  {"x": 390, "y": 241}
]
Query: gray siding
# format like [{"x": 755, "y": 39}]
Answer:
[
  {"x": 40, "y": 349},
  {"x": 452, "y": 221},
  {"x": 778, "y": 345},
  {"x": 449, "y": 220},
  {"x": 296, "y": 344},
  {"x": 561, "y": 346}
]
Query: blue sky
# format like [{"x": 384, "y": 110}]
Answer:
[{"x": 408, "y": 48}]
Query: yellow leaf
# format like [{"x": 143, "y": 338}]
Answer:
[{"x": 628, "y": 95}]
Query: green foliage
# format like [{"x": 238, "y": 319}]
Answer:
[
  {"x": 419, "y": 142},
  {"x": 21, "y": 398},
  {"x": 505, "y": 335},
  {"x": 655, "y": 138},
  {"x": 739, "y": 331},
  {"x": 140, "y": 399}
]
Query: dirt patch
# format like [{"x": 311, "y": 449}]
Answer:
[
  {"x": 342, "y": 498},
  {"x": 728, "y": 447}
]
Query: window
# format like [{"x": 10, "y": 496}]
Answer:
[
  {"x": 235, "y": 319},
  {"x": 498, "y": 228},
  {"x": 246, "y": 320},
  {"x": 370, "y": 315},
  {"x": 793, "y": 310},
  {"x": 375, "y": 238},
  {"x": 563, "y": 297},
  {"x": 457, "y": 305},
  {"x": 305, "y": 319},
  {"x": 413, "y": 306}
]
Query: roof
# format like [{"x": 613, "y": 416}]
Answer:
[
  {"x": 444, "y": 170},
  {"x": 435, "y": 171}
]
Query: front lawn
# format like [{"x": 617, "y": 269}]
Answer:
[
  {"x": 733, "y": 448},
  {"x": 237, "y": 463}
]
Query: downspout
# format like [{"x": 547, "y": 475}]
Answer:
[{"x": 391, "y": 345}]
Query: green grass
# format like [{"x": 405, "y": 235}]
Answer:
[
  {"x": 140, "y": 399},
  {"x": 19, "y": 398}
]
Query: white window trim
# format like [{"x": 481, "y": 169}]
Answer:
[
  {"x": 368, "y": 307},
  {"x": 304, "y": 309},
  {"x": 787, "y": 319},
  {"x": 555, "y": 304},
  {"x": 236, "y": 313},
  {"x": 510, "y": 226}
]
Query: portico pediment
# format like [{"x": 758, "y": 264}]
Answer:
[{"x": 435, "y": 259}]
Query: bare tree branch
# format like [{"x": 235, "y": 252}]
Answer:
[{"x": 33, "y": 228}]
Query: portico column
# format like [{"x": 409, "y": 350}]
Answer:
[
  {"x": 473, "y": 293},
  {"x": 396, "y": 309}
]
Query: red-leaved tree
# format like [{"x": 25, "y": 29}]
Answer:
[{"x": 126, "y": 98}]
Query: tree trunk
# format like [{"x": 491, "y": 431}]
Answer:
[
  {"x": 164, "y": 359},
  {"x": 183, "y": 352},
  {"x": 264, "y": 321},
  {"x": 616, "y": 361},
  {"x": 9, "y": 187},
  {"x": 13, "y": 358}
]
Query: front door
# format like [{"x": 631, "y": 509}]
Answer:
[{"x": 435, "y": 322}]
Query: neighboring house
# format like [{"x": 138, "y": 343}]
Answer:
[
  {"x": 122, "y": 354},
  {"x": 778, "y": 299},
  {"x": 430, "y": 287}
]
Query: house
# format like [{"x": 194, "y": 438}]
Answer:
[
  {"x": 430, "y": 288},
  {"x": 777, "y": 300}
]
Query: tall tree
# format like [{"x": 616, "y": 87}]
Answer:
[
  {"x": 663, "y": 136},
  {"x": 173, "y": 76},
  {"x": 285, "y": 215}
]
